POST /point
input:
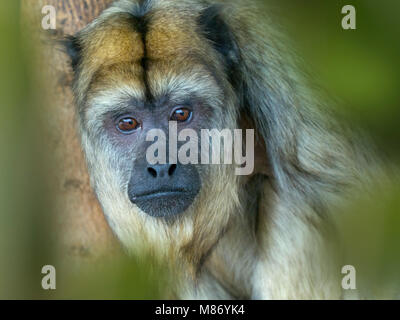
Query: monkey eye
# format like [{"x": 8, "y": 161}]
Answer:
[
  {"x": 127, "y": 125},
  {"x": 181, "y": 115}
]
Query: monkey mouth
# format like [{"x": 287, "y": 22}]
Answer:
[
  {"x": 160, "y": 193},
  {"x": 164, "y": 202}
]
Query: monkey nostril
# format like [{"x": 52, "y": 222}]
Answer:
[
  {"x": 171, "y": 169},
  {"x": 152, "y": 171},
  {"x": 161, "y": 171}
]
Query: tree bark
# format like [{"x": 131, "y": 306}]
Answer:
[{"x": 82, "y": 229}]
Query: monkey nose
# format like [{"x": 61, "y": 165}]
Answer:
[{"x": 161, "y": 170}]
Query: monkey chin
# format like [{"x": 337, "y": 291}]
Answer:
[{"x": 167, "y": 204}]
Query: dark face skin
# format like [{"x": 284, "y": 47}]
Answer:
[
  {"x": 160, "y": 190},
  {"x": 163, "y": 190}
]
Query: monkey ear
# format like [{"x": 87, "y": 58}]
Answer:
[
  {"x": 219, "y": 34},
  {"x": 73, "y": 48}
]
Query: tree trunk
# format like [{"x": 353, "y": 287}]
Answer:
[{"x": 81, "y": 226}]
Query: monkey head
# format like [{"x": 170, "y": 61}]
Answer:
[{"x": 138, "y": 67}]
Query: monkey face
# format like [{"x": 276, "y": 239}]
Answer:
[
  {"x": 125, "y": 120},
  {"x": 162, "y": 189}
]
